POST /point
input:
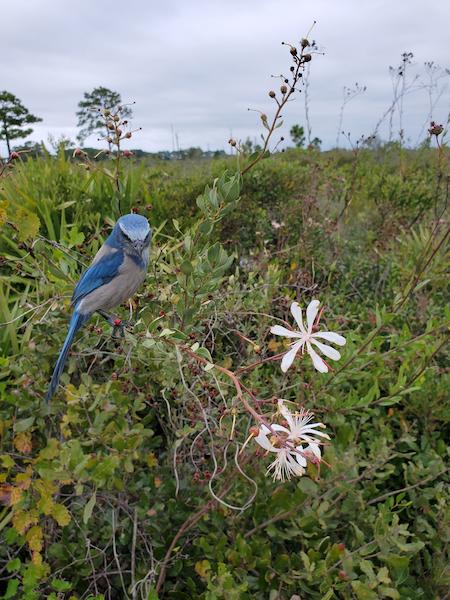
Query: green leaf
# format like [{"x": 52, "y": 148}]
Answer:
[
  {"x": 89, "y": 507},
  {"x": 23, "y": 424},
  {"x": 204, "y": 352},
  {"x": 13, "y": 565},
  {"x": 11, "y": 590},
  {"x": 61, "y": 585}
]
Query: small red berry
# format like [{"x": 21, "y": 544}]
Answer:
[{"x": 117, "y": 322}]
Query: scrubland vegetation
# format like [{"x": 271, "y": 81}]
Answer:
[
  {"x": 125, "y": 461},
  {"x": 148, "y": 475}
]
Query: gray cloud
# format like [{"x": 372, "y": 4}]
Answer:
[{"x": 198, "y": 65}]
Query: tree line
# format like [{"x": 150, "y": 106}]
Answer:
[{"x": 15, "y": 121}]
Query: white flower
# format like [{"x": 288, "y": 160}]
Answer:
[
  {"x": 305, "y": 338},
  {"x": 293, "y": 445}
]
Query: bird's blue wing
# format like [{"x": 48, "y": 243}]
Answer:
[{"x": 98, "y": 274}]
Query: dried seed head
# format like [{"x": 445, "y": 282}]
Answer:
[
  {"x": 434, "y": 129},
  {"x": 272, "y": 94},
  {"x": 293, "y": 51},
  {"x": 283, "y": 89},
  {"x": 307, "y": 57},
  {"x": 304, "y": 43}
]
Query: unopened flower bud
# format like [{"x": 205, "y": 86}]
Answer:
[
  {"x": 127, "y": 153},
  {"x": 119, "y": 132},
  {"x": 272, "y": 94},
  {"x": 78, "y": 152},
  {"x": 110, "y": 125},
  {"x": 254, "y": 431},
  {"x": 232, "y": 142},
  {"x": 283, "y": 89},
  {"x": 106, "y": 112},
  {"x": 293, "y": 50},
  {"x": 307, "y": 57},
  {"x": 109, "y": 140},
  {"x": 128, "y": 134},
  {"x": 304, "y": 43},
  {"x": 116, "y": 118}
]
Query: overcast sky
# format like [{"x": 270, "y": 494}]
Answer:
[{"x": 198, "y": 65}]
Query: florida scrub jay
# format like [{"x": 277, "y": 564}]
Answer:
[{"x": 118, "y": 269}]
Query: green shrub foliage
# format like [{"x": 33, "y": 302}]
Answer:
[{"x": 133, "y": 482}]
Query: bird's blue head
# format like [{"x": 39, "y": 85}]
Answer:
[{"x": 132, "y": 234}]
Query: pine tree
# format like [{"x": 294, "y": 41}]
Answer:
[
  {"x": 88, "y": 117},
  {"x": 13, "y": 117}
]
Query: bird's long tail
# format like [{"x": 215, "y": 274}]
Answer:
[{"x": 77, "y": 321}]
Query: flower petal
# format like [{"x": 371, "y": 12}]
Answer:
[
  {"x": 318, "y": 363},
  {"x": 327, "y": 350},
  {"x": 315, "y": 449},
  {"x": 280, "y": 330},
  {"x": 300, "y": 457},
  {"x": 331, "y": 337},
  {"x": 289, "y": 356},
  {"x": 277, "y": 427},
  {"x": 297, "y": 314},
  {"x": 263, "y": 441},
  {"x": 311, "y": 313},
  {"x": 311, "y": 431}
]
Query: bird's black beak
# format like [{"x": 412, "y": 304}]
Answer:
[{"x": 138, "y": 246}]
